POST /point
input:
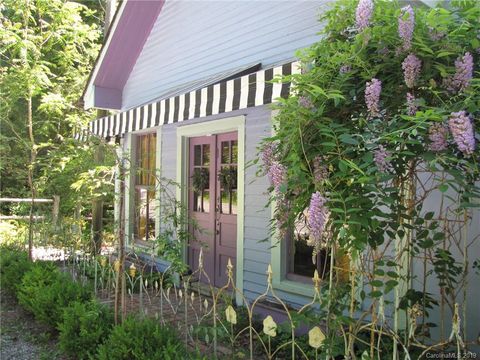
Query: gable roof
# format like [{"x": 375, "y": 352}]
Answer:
[{"x": 130, "y": 28}]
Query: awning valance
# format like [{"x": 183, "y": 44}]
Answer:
[{"x": 243, "y": 92}]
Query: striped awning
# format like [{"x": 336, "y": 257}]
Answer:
[{"x": 243, "y": 92}]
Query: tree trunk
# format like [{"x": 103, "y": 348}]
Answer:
[
  {"x": 31, "y": 168},
  {"x": 120, "y": 282},
  {"x": 97, "y": 204}
]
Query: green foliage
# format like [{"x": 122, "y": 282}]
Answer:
[
  {"x": 45, "y": 292},
  {"x": 47, "y": 50},
  {"x": 327, "y": 141},
  {"x": 14, "y": 263},
  {"x": 85, "y": 326},
  {"x": 142, "y": 339}
]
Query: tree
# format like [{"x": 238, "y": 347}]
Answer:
[{"x": 47, "y": 49}]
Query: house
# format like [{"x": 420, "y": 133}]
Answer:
[
  {"x": 188, "y": 85},
  {"x": 189, "y": 82}
]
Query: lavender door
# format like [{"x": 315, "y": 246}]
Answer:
[{"x": 213, "y": 203}]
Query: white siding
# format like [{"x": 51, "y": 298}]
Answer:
[{"x": 195, "y": 39}]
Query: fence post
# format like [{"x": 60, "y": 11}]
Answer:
[{"x": 55, "y": 210}]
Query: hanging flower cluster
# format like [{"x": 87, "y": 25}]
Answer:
[
  {"x": 277, "y": 174},
  {"x": 320, "y": 170},
  {"x": 463, "y": 73},
  {"x": 380, "y": 157},
  {"x": 268, "y": 154},
  {"x": 411, "y": 69},
  {"x": 438, "y": 134},
  {"x": 462, "y": 131},
  {"x": 318, "y": 215},
  {"x": 372, "y": 96},
  {"x": 305, "y": 102},
  {"x": 363, "y": 14},
  {"x": 344, "y": 69},
  {"x": 411, "y": 104},
  {"x": 406, "y": 24}
]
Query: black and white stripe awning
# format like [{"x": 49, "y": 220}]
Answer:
[{"x": 246, "y": 91}]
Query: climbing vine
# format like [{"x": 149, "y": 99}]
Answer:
[{"x": 382, "y": 120}]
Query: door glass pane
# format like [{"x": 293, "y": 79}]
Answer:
[
  {"x": 234, "y": 152},
  {"x": 200, "y": 186},
  {"x": 225, "y": 149},
  {"x": 201, "y": 201},
  {"x": 225, "y": 208},
  {"x": 234, "y": 202},
  {"x": 197, "y": 155},
  {"x": 206, "y": 155},
  {"x": 206, "y": 201}
]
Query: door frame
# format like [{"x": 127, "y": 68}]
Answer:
[{"x": 224, "y": 125}]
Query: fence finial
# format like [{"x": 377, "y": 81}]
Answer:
[
  {"x": 229, "y": 267},
  {"x": 316, "y": 280},
  {"x": 200, "y": 259},
  {"x": 269, "y": 274}
]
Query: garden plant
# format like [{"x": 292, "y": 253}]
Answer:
[{"x": 383, "y": 117}]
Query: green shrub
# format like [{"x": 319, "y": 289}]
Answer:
[
  {"x": 14, "y": 263},
  {"x": 85, "y": 326},
  {"x": 45, "y": 292},
  {"x": 142, "y": 339}
]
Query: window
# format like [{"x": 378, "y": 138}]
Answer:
[
  {"x": 145, "y": 187},
  {"x": 301, "y": 263}
]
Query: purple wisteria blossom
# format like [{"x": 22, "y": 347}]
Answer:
[
  {"x": 411, "y": 69},
  {"x": 380, "y": 157},
  {"x": 411, "y": 104},
  {"x": 277, "y": 174},
  {"x": 363, "y": 14},
  {"x": 462, "y": 131},
  {"x": 372, "y": 96},
  {"x": 345, "y": 69},
  {"x": 438, "y": 135},
  {"x": 305, "y": 102},
  {"x": 320, "y": 170},
  {"x": 406, "y": 24},
  {"x": 463, "y": 73},
  {"x": 317, "y": 215},
  {"x": 269, "y": 154}
]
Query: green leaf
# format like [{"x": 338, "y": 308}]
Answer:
[
  {"x": 443, "y": 188},
  {"x": 376, "y": 283},
  {"x": 348, "y": 139}
]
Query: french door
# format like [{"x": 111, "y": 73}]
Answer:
[{"x": 213, "y": 204}]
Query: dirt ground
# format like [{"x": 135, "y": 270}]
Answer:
[{"x": 21, "y": 337}]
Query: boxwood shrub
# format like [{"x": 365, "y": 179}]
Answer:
[
  {"x": 141, "y": 339},
  {"x": 45, "y": 291},
  {"x": 14, "y": 263},
  {"x": 84, "y": 327}
]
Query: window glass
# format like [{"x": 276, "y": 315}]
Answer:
[
  {"x": 145, "y": 187},
  {"x": 301, "y": 261},
  {"x": 201, "y": 187},
  {"x": 206, "y": 155},
  {"x": 197, "y": 155},
  {"x": 234, "y": 152},
  {"x": 225, "y": 149}
]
